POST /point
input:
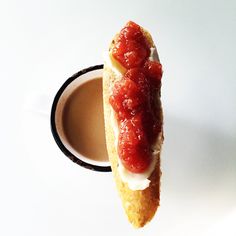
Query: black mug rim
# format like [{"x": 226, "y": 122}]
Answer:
[{"x": 55, "y": 134}]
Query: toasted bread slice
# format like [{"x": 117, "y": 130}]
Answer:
[{"x": 139, "y": 205}]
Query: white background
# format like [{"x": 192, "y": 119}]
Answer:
[{"x": 43, "y": 42}]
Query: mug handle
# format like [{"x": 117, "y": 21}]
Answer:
[{"x": 38, "y": 102}]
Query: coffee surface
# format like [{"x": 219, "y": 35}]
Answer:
[{"x": 83, "y": 121}]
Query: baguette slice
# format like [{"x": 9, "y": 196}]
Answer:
[{"x": 139, "y": 205}]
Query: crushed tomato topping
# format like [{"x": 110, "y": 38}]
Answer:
[{"x": 134, "y": 99}]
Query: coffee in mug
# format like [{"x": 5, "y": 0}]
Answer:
[{"x": 77, "y": 121}]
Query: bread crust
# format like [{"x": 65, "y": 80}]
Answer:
[{"x": 140, "y": 205}]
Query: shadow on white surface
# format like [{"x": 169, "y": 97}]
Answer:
[{"x": 199, "y": 172}]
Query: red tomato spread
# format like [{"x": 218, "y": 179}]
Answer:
[{"x": 134, "y": 99}]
